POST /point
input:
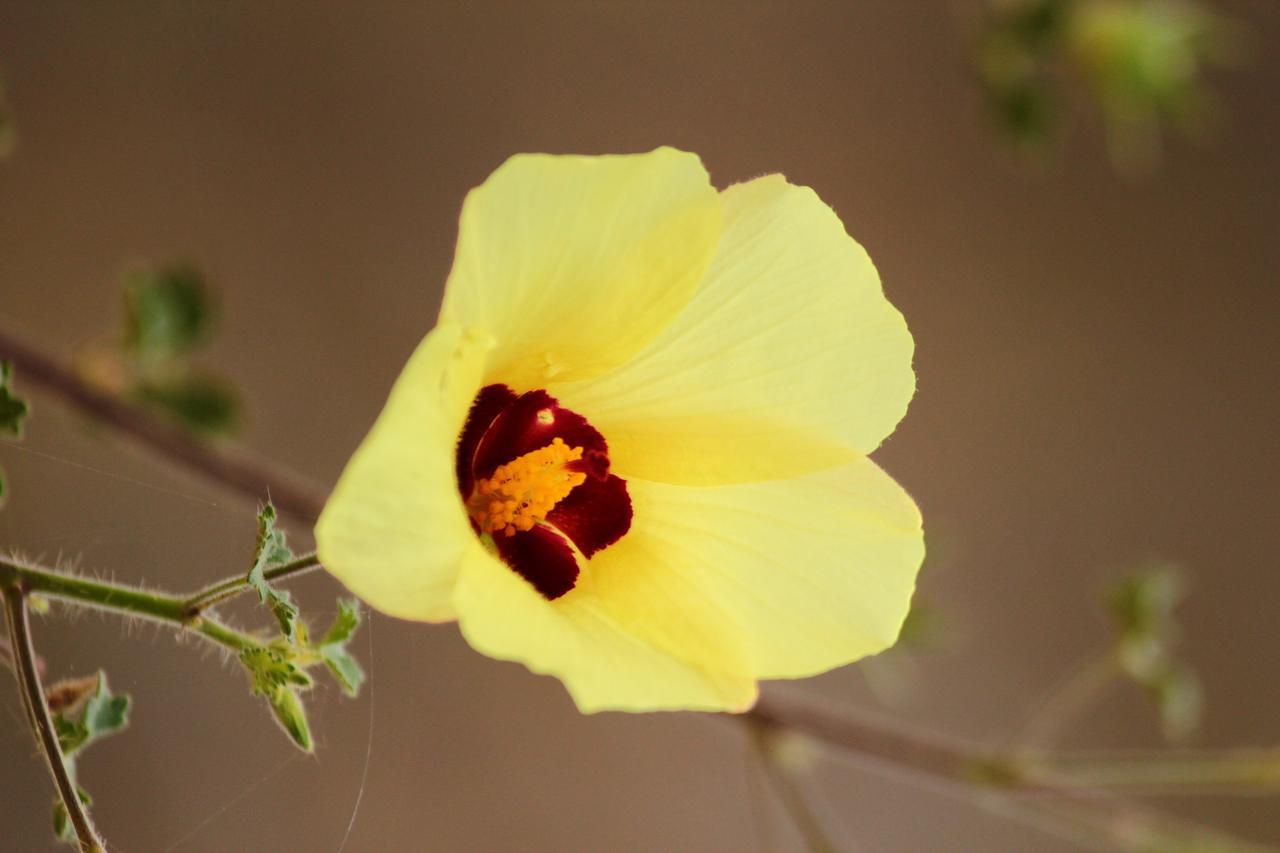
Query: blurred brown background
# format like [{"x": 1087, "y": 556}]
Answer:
[{"x": 1098, "y": 363}]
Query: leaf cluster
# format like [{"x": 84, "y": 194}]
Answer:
[
  {"x": 278, "y": 669},
  {"x": 1140, "y": 63},
  {"x": 1142, "y": 609}
]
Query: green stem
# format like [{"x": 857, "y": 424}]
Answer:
[
  {"x": 216, "y": 593},
  {"x": 766, "y": 742},
  {"x": 24, "y": 656},
  {"x": 125, "y": 600}
]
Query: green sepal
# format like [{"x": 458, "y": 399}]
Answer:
[{"x": 292, "y": 717}]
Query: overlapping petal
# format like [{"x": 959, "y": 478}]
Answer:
[
  {"x": 621, "y": 640},
  {"x": 787, "y": 360},
  {"x": 817, "y": 570},
  {"x": 394, "y": 530},
  {"x": 573, "y": 264}
]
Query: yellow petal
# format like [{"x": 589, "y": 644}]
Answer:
[
  {"x": 818, "y": 570},
  {"x": 789, "y": 359},
  {"x": 394, "y": 529},
  {"x": 628, "y": 637},
  {"x": 574, "y": 263}
]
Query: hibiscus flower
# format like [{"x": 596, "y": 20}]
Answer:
[{"x": 632, "y": 453}]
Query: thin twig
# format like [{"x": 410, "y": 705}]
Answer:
[
  {"x": 231, "y": 467},
  {"x": 38, "y": 712},
  {"x": 768, "y": 749},
  {"x": 223, "y": 590}
]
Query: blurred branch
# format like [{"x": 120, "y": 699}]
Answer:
[
  {"x": 229, "y": 466},
  {"x": 1075, "y": 790},
  {"x": 768, "y": 745},
  {"x": 24, "y": 656}
]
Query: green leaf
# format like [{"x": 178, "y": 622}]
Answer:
[
  {"x": 346, "y": 670},
  {"x": 12, "y": 407},
  {"x": 272, "y": 551},
  {"x": 167, "y": 311},
  {"x": 102, "y": 714},
  {"x": 344, "y": 624},
  {"x": 203, "y": 403}
]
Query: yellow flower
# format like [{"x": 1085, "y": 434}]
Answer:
[{"x": 632, "y": 452}]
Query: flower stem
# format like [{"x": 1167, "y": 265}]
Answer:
[
  {"x": 215, "y": 593},
  {"x": 42, "y": 723}
]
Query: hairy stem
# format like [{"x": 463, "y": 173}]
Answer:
[
  {"x": 121, "y": 599},
  {"x": 215, "y": 593},
  {"x": 41, "y": 721}
]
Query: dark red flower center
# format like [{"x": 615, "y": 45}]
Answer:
[{"x": 535, "y": 477}]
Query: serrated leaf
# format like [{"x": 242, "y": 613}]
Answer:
[
  {"x": 167, "y": 311},
  {"x": 344, "y": 624},
  {"x": 270, "y": 551},
  {"x": 201, "y": 402},
  {"x": 346, "y": 670},
  {"x": 12, "y": 407},
  {"x": 102, "y": 714}
]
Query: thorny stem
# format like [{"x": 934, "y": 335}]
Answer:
[
  {"x": 24, "y": 656},
  {"x": 972, "y": 767}
]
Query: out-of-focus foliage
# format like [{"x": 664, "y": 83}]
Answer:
[
  {"x": 168, "y": 312},
  {"x": 1142, "y": 62},
  {"x": 169, "y": 316},
  {"x": 84, "y": 711},
  {"x": 1141, "y": 607},
  {"x": 13, "y": 410}
]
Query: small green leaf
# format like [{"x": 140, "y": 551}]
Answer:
[
  {"x": 344, "y": 624},
  {"x": 12, "y": 407},
  {"x": 167, "y": 311},
  {"x": 203, "y": 403},
  {"x": 102, "y": 714},
  {"x": 346, "y": 670},
  {"x": 271, "y": 551},
  {"x": 292, "y": 717}
]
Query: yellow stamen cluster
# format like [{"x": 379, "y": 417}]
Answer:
[{"x": 522, "y": 492}]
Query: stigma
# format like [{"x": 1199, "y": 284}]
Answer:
[{"x": 521, "y": 493}]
